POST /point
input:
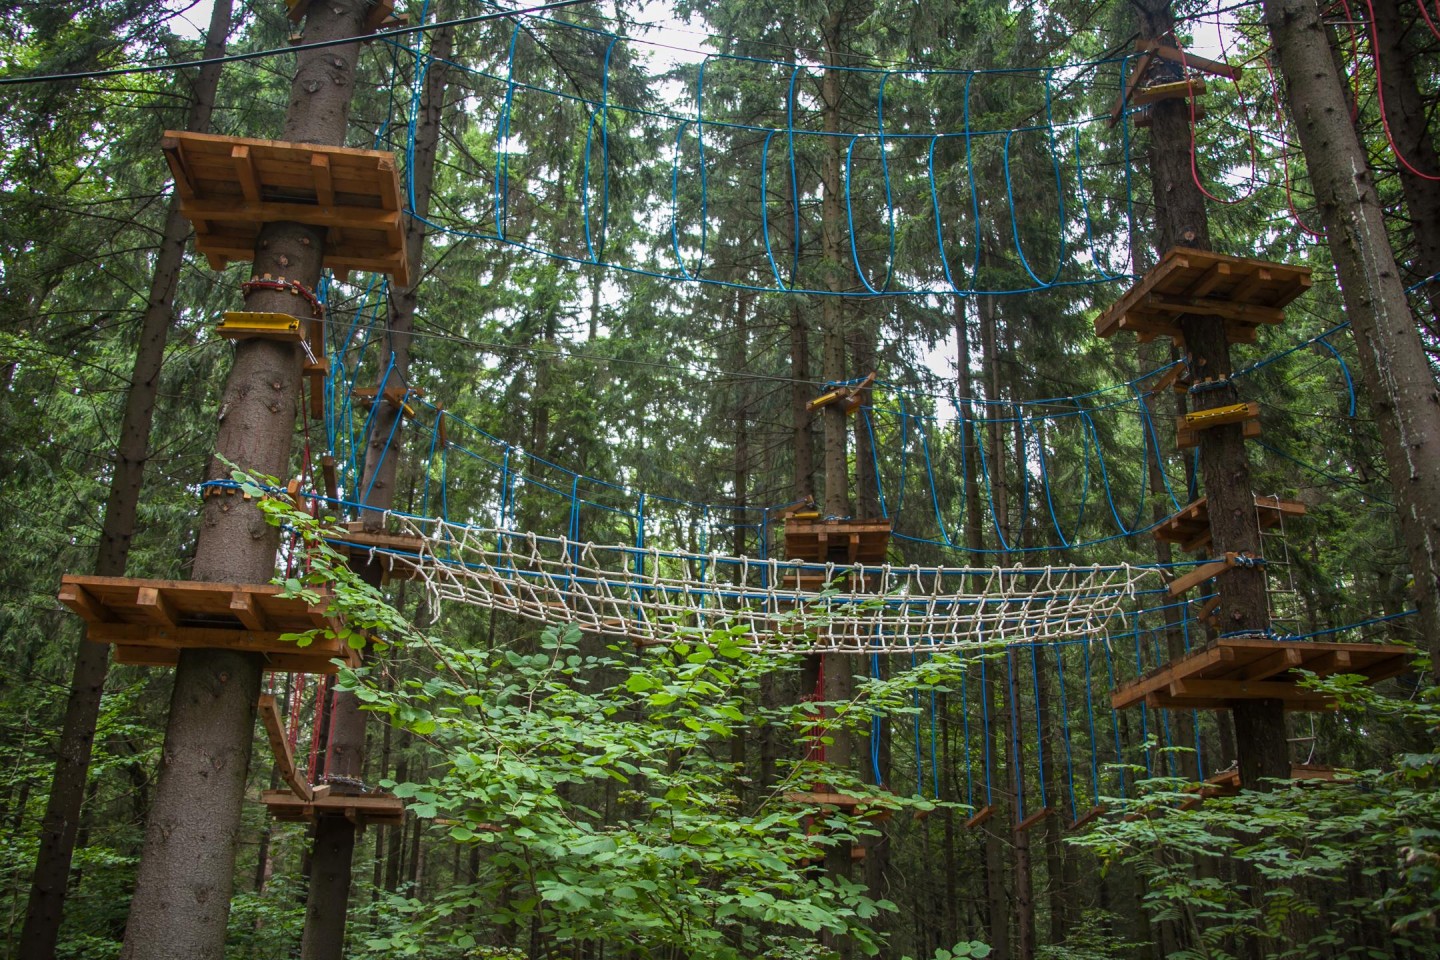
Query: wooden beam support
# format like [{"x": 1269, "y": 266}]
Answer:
[
  {"x": 243, "y": 605},
  {"x": 1278, "y": 662},
  {"x": 324, "y": 185},
  {"x": 1089, "y": 816},
  {"x": 83, "y": 602},
  {"x": 1187, "y": 59},
  {"x": 1142, "y": 63},
  {"x": 280, "y": 746},
  {"x": 245, "y": 172},
  {"x": 1240, "y": 690},
  {"x": 1176, "y": 90},
  {"x": 1199, "y": 575},
  {"x": 154, "y": 607}
]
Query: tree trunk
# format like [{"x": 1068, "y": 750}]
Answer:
[
  {"x": 996, "y": 894},
  {"x": 800, "y": 396},
  {"x": 1392, "y": 357},
  {"x": 182, "y": 895},
  {"x": 1224, "y": 460},
  {"x": 1406, "y": 114},
  {"x": 867, "y": 487},
  {"x": 92, "y": 660},
  {"x": 329, "y": 893}
]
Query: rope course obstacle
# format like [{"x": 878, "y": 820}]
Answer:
[{"x": 474, "y": 539}]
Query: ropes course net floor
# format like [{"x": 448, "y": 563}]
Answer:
[{"x": 655, "y": 596}]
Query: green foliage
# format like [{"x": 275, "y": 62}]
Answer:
[{"x": 1278, "y": 868}]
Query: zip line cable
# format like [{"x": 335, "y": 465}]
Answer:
[{"x": 279, "y": 51}]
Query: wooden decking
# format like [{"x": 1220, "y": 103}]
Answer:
[
  {"x": 1231, "y": 670},
  {"x": 1190, "y": 526},
  {"x": 837, "y": 541},
  {"x": 230, "y": 187},
  {"x": 1244, "y": 294},
  {"x": 379, "y": 809},
  {"x": 150, "y": 621}
]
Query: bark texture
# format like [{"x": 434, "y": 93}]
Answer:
[
  {"x": 186, "y": 876},
  {"x": 1392, "y": 358},
  {"x": 1181, "y": 220},
  {"x": 1418, "y": 163},
  {"x": 59, "y": 828}
]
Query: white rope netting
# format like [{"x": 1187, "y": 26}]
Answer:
[{"x": 658, "y": 596}]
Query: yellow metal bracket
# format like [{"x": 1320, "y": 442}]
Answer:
[
  {"x": 238, "y": 325},
  {"x": 1216, "y": 416}
]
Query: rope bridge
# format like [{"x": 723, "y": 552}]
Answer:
[{"x": 655, "y": 596}]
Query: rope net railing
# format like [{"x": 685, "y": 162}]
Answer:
[{"x": 656, "y": 596}]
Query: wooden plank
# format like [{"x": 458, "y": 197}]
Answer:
[
  {"x": 141, "y": 656},
  {"x": 245, "y": 173},
  {"x": 280, "y": 746},
  {"x": 1275, "y": 663},
  {"x": 347, "y": 218},
  {"x": 243, "y": 605},
  {"x": 1217, "y": 271},
  {"x": 1239, "y": 690},
  {"x": 1187, "y": 438},
  {"x": 331, "y": 476},
  {"x": 1031, "y": 820},
  {"x": 1089, "y": 816},
  {"x": 1176, "y": 90},
  {"x": 83, "y": 602},
  {"x": 324, "y": 185},
  {"x": 1136, "y": 691},
  {"x": 1213, "y": 307},
  {"x": 1142, "y": 63},
  {"x": 1386, "y": 668},
  {"x": 980, "y": 816}
]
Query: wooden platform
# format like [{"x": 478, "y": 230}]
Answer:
[
  {"x": 1227, "y": 782},
  {"x": 1190, "y": 526},
  {"x": 1232, "y": 670},
  {"x": 1244, "y": 294},
  {"x": 150, "y": 621},
  {"x": 382, "y": 13},
  {"x": 866, "y": 807},
  {"x": 379, "y": 809},
  {"x": 230, "y": 187},
  {"x": 837, "y": 541},
  {"x": 357, "y": 544}
]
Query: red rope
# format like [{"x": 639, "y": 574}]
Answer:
[
  {"x": 1425, "y": 12},
  {"x": 1380, "y": 96},
  {"x": 1194, "y": 148},
  {"x": 315, "y": 730},
  {"x": 817, "y": 730}
]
